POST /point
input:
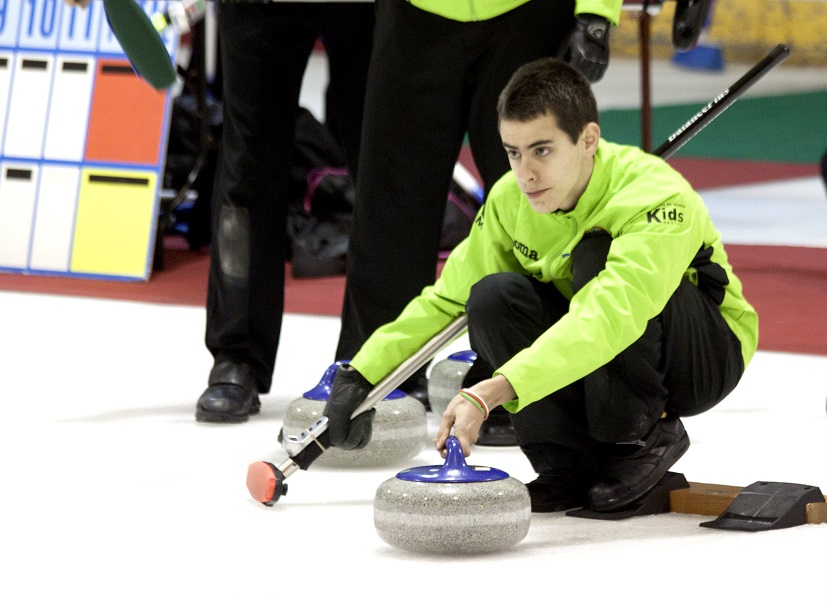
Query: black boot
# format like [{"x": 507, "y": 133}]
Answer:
[
  {"x": 557, "y": 491},
  {"x": 416, "y": 386},
  {"x": 563, "y": 479},
  {"x": 631, "y": 472},
  {"x": 497, "y": 430},
  {"x": 231, "y": 397}
]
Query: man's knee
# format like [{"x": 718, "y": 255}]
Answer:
[
  {"x": 233, "y": 241},
  {"x": 491, "y": 297}
]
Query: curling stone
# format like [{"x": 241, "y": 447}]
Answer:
[
  {"x": 400, "y": 427},
  {"x": 453, "y": 508},
  {"x": 446, "y": 379}
]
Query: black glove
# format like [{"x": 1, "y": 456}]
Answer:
[
  {"x": 690, "y": 18},
  {"x": 588, "y": 48},
  {"x": 349, "y": 390}
]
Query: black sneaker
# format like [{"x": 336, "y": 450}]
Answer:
[
  {"x": 557, "y": 491},
  {"x": 629, "y": 476}
]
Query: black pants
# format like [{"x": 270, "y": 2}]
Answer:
[
  {"x": 431, "y": 81},
  {"x": 687, "y": 360},
  {"x": 264, "y": 52}
]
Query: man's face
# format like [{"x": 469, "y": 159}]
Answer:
[{"x": 551, "y": 170}]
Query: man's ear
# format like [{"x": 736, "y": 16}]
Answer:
[{"x": 591, "y": 137}]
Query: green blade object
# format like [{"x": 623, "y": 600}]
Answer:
[{"x": 140, "y": 42}]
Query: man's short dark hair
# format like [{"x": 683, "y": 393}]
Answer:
[{"x": 549, "y": 87}]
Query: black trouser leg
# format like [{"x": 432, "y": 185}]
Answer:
[
  {"x": 431, "y": 80},
  {"x": 411, "y": 136},
  {"x": 264, "y": 52},
  {"x": 532, "y": 31},
  {"x": 624, "y": 398},
  {"x": 507, "y": 313},
  {"x": 347, "y": 34}
]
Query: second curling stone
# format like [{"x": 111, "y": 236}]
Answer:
[
  {"x": 446, "y": 379},
  {"x": 400, "y": 427}
]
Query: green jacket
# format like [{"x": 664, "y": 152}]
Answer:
[
  {"x": 658, "y": 224},
  {"x": 481, "y": 10}
]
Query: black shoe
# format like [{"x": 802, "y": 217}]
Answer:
[
  {"x": 231, "y": 396},
  {"x": 497, "y": 430},
  {"x": 557, "y": 491},
  {"x": 417, "y": 388},
  {"x": 628, "y": 477}
]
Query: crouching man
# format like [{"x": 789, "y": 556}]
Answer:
[{"x": 598, "y": 292}]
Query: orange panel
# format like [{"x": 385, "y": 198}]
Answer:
[{"x": 127, "y": 116}]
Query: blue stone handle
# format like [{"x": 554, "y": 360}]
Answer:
[
  {"x": 322, "y": 390},
  {"x": 455, "y": 469},
  {"x": 454, "y": 459}
]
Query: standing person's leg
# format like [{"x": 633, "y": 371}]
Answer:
[
  {"x": 532, "y": 31},
  {"x": 412, "y": 131},
  {"x": 264, "y": 51},
  {"x": 347, "y": 34}
]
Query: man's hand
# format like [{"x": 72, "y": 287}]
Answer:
[
  {"x": 465, "y": 418},
  {"x": 349, "y": 390},
  {"x": 80, "y": 3},
  {"x": 588, "y": 48}
]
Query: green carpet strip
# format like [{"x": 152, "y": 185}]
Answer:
[{"x": 780, "y": 128}]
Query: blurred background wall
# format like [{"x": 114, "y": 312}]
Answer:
[{"x": 744, "y": 29}]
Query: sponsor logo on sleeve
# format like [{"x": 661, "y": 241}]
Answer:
[{"x": 668, "y": 214}]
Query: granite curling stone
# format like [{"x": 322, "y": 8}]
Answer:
[
  {"x": 452, "y": 509},
  {"x": 400, "y": 427},
  {"x": 446, "y": 379}
]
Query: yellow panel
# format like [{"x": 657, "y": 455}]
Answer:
[
  {"x": 746, "y": 30},
  {"x": 115, "y": 225}
]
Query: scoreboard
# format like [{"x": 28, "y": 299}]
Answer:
[{"x": 82, "y": 144}]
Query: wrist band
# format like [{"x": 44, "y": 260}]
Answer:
[
  {"x": 476, "y": 400},
  {"x": 476, "y": 403}
]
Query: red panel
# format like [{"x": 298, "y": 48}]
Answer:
[{"x": 127, "y": 117}]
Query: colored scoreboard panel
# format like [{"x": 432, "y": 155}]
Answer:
[{"x": 82, "y": 144}]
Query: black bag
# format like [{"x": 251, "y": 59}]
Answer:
[{"x": 321, "y": 201}]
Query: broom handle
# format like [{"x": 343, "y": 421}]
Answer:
[
  {"x": 412, "y": 364},
  {"x": 726, "y": 98}
]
